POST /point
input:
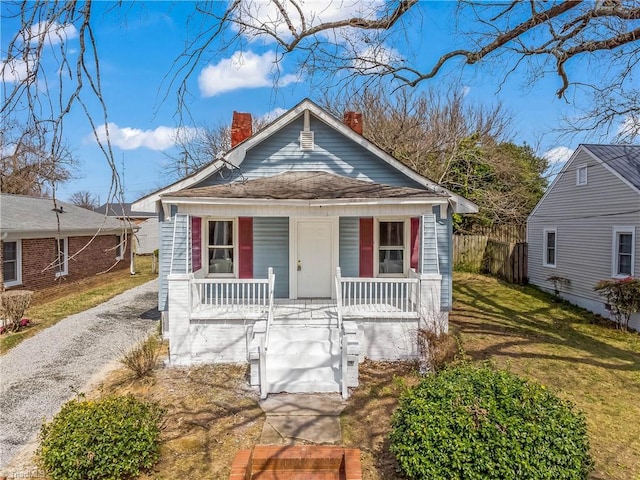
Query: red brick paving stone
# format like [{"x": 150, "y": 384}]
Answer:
[
  {"x": 240, "y": 465},
  {"x": 352, "y": 464}
]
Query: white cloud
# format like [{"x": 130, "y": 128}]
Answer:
[
  {"x": 629, "y": 128},
  {"x": 128, "y": 138},
  {"x": 558, "y": 154},
  {"x": 13, "y": 71},
  {"x": 242, "y": 70},
  {"x": 373, "y": 59},
  {"x": 52, "y": 33},
  {"x": 465, "y": 90},
  {"x": 273, "y": 114},
  {"x": 264, "y": 14}
]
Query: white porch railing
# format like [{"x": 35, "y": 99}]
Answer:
[
  {"x": 377, "y": 297},
  {"x": 233, "y": 296}
]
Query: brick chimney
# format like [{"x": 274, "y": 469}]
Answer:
[
  {"x": 241, "y": 128},
  {"x": 353, "y": 120}
]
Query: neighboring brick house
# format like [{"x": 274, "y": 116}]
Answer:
[
  {"x": 42, "y": 247},
  {"x": 148, "y": 233}
]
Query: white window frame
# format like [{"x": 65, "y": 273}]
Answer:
[
  {"x": 18, "y": 280},
  {"x": 545, "y": 240},
  {"x": 615, "y": 254},
  {"x": 62, "y": 270},
  {"x": 119, "y": 247},
  {"x": 406, "y": 247},
  {"x": 234, "y": 246},
  {"x": 581, "y": 172}
]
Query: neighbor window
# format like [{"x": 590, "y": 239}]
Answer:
[
  {"x": 581, "y": 175},
  {"x": 550, "y": 247},
  {"x": 62, "y": 259},
  {"x": 119, "y": 247},
  {"x": 220, "y": 247},
  {"x": 391, "y": 250},
  {"x": 11, "y": 263},
  {"x": 623, "y": 251}
]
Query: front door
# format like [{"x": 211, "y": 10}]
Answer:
[{"x": 314, "y": 259}]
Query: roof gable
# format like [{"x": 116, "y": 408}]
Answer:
[{"x": 237, "y": 155}]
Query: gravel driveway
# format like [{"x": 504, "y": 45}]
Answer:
[{"x": 44, "y": 371}]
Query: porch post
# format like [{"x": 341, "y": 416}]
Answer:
[{"x": 179, "y": 310}]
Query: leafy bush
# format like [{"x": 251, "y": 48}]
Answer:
[
  {"x": 623, "y": 296},
  {"x": 478, "y": 423},
  {"x": 143, "y": 358},
  {"x": 113, "y": 438},
  {"x": 14, "y": 304}
]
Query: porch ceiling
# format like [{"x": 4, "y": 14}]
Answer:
[{"x": 307, "y": 186}]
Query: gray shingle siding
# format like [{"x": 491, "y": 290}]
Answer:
[
  {"x": 584, "y": 218},
  {"x": 333, "y": 153},
  {"x": 271, "y": 249}
]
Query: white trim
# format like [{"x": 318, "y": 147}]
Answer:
[
  {"x": 579, "y": 170},
  {"x": 406, "y": 255},
  {"x": 617, "y": 230},
  {"x": 65, "y": 270},
  {"x": 18, "y": 280},
  {"x": 235, "y": 246},
  {"x": 14, "y": 235},
  {"x": 545, "y": 246},
  {"x": 236, "y": 156},
  {"x": 304, "y": 203}
]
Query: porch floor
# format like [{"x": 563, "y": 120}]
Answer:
[{"x": 308, "y": 312}]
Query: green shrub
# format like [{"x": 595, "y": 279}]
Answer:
[
  {"x": 113, "y": 438},
  {"x": 479, "y": 423}
]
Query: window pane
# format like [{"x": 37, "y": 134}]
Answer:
[
  {"x": 221, "y": 260},
  {"x": 551, "y": 256},
  {"x": 221, "y": 233},
  {"x": 10, "y": 251},
  {"x": 551, "y": 239},
  {"x": 10, "y": 271},
  {"x": 624, "y": 264},
  {"x": 624, "y": 243},
  {"x": 391, "y": 261},
  {"x": 391, "y": 234}
]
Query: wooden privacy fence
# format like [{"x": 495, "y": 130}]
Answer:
[{"x": 479, "y": 253}]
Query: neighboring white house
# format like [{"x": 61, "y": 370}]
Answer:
[
  {"x": 148, "y": 233},
  {"x": 586, "y": 227},
  {"x": 302, "y": 250}
]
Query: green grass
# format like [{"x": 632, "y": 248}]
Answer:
[
  {"x": 578, "y": 355},
  {"x": 52, "y": 305}
]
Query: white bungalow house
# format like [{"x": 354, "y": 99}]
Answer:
[
  {"x": 586, "y": 227},
  {"x": 303, "y": 250}
]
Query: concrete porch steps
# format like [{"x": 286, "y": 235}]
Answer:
[{"x": 303, "y": 360}]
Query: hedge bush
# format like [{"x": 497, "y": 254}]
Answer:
[
  {"x": 112, "y": 439},
  {"x": 478, "y": 423}
]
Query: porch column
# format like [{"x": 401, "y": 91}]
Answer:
[
  {"x": 431, "y": 317},
  {"x": 179, "y": 309}
]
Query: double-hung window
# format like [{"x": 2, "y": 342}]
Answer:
[
  {"x": 62, "y": 257},
  {"x": 220, "y": 247},
  {"x": 391, "y": 247},
  {"x": 11, "y": 263},
  {"x": 623, "y": 251},
  {"x": 550, "y": 247}
]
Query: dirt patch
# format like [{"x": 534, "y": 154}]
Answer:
[{"x": 366, "y": 421}]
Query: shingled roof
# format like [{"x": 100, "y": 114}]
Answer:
[
  {"x": 623, "y": 159},
  {"x": 306, "y": 186}
]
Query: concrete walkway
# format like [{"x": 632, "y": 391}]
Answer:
[
  {"x": 43, "y": 372},
  {"x": 302, "y": 418}
]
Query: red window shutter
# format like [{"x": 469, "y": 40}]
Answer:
[
  {"x": 415, "y": 242},
  {"x": 245, "y": 247},
  {"x": 196, "y": 244},
  {"x": 366, "y": 247}
]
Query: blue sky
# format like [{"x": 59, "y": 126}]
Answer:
[{"x": 138, "y": 44}]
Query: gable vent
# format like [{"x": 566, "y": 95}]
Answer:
[{"x": 306, "y": 140}]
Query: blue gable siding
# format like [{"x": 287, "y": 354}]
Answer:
[
  {"x": 271, "y": 249},
  {"x": 333, "y": 153},
  {"x": 349, "y": 260}
]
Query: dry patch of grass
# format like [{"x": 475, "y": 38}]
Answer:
[
  {"x": 578, "y": 355},
  {"x": 51, "y": 305},
  {"x": 211, "y": 413}
]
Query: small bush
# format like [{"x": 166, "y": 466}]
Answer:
[
  {"x": 623, "y": 296},
  {"x": 437, "y": 349},
  {"x": 113, "y": 438},
  {"x": 14, "y": 304},
  {"x": 143, "y": 358},
  {"x": 478, "y": 423}
]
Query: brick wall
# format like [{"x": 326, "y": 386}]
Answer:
[{"x": 84, "y": 260}]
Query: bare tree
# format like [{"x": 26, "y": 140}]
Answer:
[{"x": 84, "y": 199}]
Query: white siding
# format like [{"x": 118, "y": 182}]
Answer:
[{"x": 584, "y": 217}]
